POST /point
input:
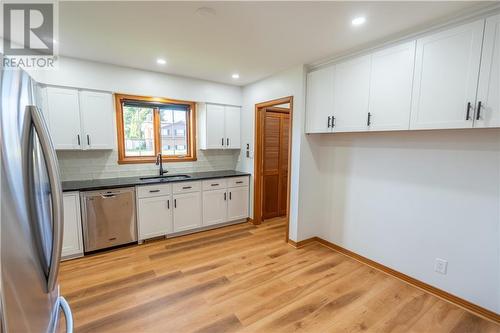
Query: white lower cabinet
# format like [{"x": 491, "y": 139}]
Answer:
[
  {"x": 237, "y": 206},
  {"x": 187, "y": 211},
  {"x": 154, "y": 216},
  {"x": 72, "y": 246},
  {"x": 214, "y": 207},
  {"x": 165, "y": 209}
]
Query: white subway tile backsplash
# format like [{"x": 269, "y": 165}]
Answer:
[{"x": 80, "y": 165}]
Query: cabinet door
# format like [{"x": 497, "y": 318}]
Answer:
[
  {"x": 187, "y": 211},
  {"x": 351, "y": 92},
  {"x": 489, "y": 78},
  {"x": 154, "y": 216},
  {"x": 214, "y": 207},
  {"x": 232, "y": 127},
  {"x": 72, "y": 237},
  {"x": 64, "y": 118},
  {"x": 319, "y": 100},
  {"x": 96, "y": 112},
  {"x": 237, "y": 206},
  {"x": 446, "y": 74},
  {"x": 215, "y": 136},
  {"x": 390, "y": 87}
]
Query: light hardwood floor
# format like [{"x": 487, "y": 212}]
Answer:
[{"x": 245, "y": 278}]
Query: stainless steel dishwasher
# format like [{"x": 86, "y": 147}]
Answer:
[{"x": 108, "y": 218}]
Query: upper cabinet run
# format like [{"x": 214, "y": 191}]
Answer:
[
  {"x": 446, "y": 74},
  {"x": 449, "y": 79},
  {"x": 78, "y": 119},
  {"x": 219, "y": 126}
]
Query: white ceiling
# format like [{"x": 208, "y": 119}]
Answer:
[{"x": 254, "y": 39}]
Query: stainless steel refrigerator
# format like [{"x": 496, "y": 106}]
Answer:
[{"x": 31, "y": 213}]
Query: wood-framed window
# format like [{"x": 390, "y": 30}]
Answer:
[{"x": 147, "y": 126}]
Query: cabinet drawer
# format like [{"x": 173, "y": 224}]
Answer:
[
  {"x": 153, "y": 190},
  {"x": 213, "y": 184},
  {"x": 237, "y": 181},
  {"x": 185, "y": 187}
]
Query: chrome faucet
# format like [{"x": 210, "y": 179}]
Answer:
[{"x": 159, "y": 161}]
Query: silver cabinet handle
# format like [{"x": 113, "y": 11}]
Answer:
[
  {"x": 222, "y": 142},
  {"x": 154, "y": 191},
  {"x": 227, "y": 142},
  {"x": 78, "y": 138},
  {"x": 67, "y": 314},
  {"x": 88, "y": 140},
  {"x": 215, "y": 184},
  {"x": 239, "y": 182},
  {"x": 35, "y": 121},
  {"x": 186, "y": 187}
]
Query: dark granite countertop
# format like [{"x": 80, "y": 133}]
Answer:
[{"x": 100, "y": 184}]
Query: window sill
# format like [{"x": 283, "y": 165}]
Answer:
[{"x": 144, "y": 160}]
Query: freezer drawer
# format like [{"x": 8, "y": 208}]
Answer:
[{"x": 108, "y": 218}]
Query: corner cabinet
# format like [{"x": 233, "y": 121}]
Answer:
[
  {"x": 219, "y": 126},
  {"x": 72, "y": 246},
  {"x": 78, "y": 119}
]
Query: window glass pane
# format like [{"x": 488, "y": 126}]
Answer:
[
  {"x": 139, "y": 132},
  {"x": 173, "y": 124}
]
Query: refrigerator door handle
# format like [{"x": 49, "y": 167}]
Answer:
[
  {"x": 37, "y": 122},
  {"x": 67, "y": 314}
]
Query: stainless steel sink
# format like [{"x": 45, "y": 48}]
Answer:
[{"x": 166, "y": 178}]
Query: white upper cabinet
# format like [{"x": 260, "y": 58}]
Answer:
[
  {"x": 446, "y": 76},
  {"x": 64, "y": 118},
  {"x": 79, "y": 119},
  {"x": 219, "y": 126},
  {"x": 488, "y": 112},
  {"x": 391, "y": 88},
  {"x": 232, "y": 127},
  {"x": 319, "y": 100},
  {"x": 350, "y": 95},
  {"x": 96, "y": 116}
]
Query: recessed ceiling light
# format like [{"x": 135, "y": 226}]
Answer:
[
  {"x": 358, "y": 20},
  {"x": 54, "y": 41},
  {"x": 235, "y": 76},
  {"x": 160, "y": 61},
  {"x": 206, "y": 11}
]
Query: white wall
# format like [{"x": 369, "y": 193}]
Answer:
[
  {"x": 93, "y": 75},
  {"x": 404, "y": 199},
  {"x": 288, "y": 83}
]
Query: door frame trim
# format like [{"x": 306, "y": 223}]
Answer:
[{"x": 260, "y": 110}]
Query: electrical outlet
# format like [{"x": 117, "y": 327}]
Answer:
[{"x": 441, "y": 266}]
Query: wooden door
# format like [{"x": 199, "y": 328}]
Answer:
[{"x": 276, "y": 133}]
